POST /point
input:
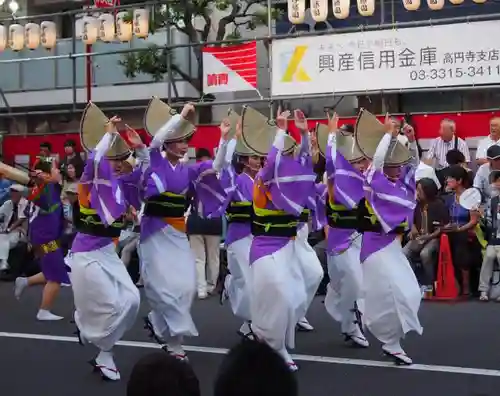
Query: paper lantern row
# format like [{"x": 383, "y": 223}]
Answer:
[
  {"x": 31, "y": 36},
  {"x": 105, "y": 29},
  {"x": 341, "y": 8}
]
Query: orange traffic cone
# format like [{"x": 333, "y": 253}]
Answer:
[{"x": 446, "y": 287}]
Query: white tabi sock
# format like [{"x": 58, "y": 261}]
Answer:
[
  {"x": 45, "y": 315},
  {"x": 174, "y": 346},
  {"x": 20, "y": 286},
  {"x": 106, "y": 364}
]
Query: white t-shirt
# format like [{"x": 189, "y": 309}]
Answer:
[{"x": 484, "y": 145}]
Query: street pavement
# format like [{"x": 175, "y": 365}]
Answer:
[{"x": 457, "y": 355}]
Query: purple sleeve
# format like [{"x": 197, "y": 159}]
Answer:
[
  {"x": 207, "y": 187},
  {"x": 131, "y": 185}
]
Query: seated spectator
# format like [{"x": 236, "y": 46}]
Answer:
[
  {"x": 455, "y": 157},
  {"x": 161, "y": 374},
  {"x": 482, "y": 180},
  {"x": 253, "y": 368},
  {"x": 12, "y": 223},
  {"x": 430, "y": 215},
  {"x": 493, "y": 237},
  {"x": 4, "y": 189},
  {"x": 462, "y": 227}
]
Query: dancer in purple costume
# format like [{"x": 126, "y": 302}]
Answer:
[
  {"x": 392, "y": 293},
  {"x": 46, "y": 226}
]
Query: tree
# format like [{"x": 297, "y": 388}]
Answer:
[{"x": 195, "y": 18}]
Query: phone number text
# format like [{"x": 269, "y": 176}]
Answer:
[{"x": 455, "y": 72}]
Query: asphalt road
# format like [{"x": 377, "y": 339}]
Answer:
[{"x": 458, "y": 354}]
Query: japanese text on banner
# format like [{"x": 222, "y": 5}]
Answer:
[{"x": 451, "y": 55}]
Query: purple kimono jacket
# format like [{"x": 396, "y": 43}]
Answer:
[
  {"x": 290, "y": 185},
  {"x": 392, "y": 202},
  {"x": 347, "y": 183}
]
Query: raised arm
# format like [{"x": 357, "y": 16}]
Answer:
[
  {"x": 220, "y": 160},
  {"x": 304, "y": 152},
  {"x": 331, "y": 147}
]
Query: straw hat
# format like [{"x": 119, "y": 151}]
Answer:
[
  {"x": 258, "y": 133},
  {"x": 92, "y": 129},
  {"x": 368, "y": 133},
  {"x": 158, "y": 114},
  {"x": 346, "y": 143},
  {"x": 241, "y": 148}
]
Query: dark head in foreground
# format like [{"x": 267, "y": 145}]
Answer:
[
  {"x": 160, "y": 374},
  {"x": 252, "y": 368}
]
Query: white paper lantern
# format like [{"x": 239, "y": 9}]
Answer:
[
  {"x": 296, "y": 11},
  {"x": 32, "y": 35},
  {"x": 141, "y": 23},
  {"x": 48, "y": 34},
  {"x": 123, "y": 28},
  {"x": 106, "y": 27},
  {"x": 456, "y": 2},
  {"x": 16, "y": 37},
  {"x": 319, "y": 10},
  {"x": 3, "y": 38},
  {"x": 479, "y": 1},
  {"x": 435, "y": 5},
  {"x": 366, "y": 8},
  {"x": 341, "y": 8},
  {"x": 90, "y": 30},
  {"x": 411, "y": 5}
]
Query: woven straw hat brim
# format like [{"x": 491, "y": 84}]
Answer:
[
  {"x": 369, "y": 131},
  {"x": 158, "y": 113},
  {"x": 93, "y": 128},
  {"x": 258, "y": 133}
]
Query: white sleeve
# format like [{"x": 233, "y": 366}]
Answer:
[
  {"x": 481, "y": 149},
  {"x": 220, "y": 157},
  {"x": 166, "y": 130},
  {"x": 103, "y": 146},
  {"x": 381, "y": 151}
]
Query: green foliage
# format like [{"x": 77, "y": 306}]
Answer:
[{"x": 242, "y": 15}]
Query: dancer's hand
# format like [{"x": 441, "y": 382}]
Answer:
[
  {"x": 282, "y": 119},
  {"x": 133, "y": 138},
  {"x": 187, "y": 110},
  {"x": 390, "y": 127},
  {"x": 110, "y": 126},
  {"x": 333, "y": 122},
  {"x": 300, "y": 121},
  {"x": 239, "y": 128},
  {"x": 225, "y": 128},
  {"x": 409, "y": 132}
]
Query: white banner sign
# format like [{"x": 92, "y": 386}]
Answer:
[{"x": 432, "y": 56}]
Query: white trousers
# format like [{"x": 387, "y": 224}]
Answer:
[
  {"x": 345, "y": 287},
  {"x": 237, "y": 282},
  {"x": 277, "y": 297},
  {"x": 106, "y": 300},
  {"x": 169, "y": 277},
  {"x": 206, "y": 249},
  {"x": 310, "y": 266},
  {"x": 7, "y": 242},
  {"x": 392, "y": 294}
]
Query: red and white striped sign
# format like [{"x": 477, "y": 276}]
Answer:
[
  {"x": 106, "y": 3},
  {"x": 230, "y": 68}
]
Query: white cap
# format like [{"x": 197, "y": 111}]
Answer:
[{"x": 17, "y": 187}]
